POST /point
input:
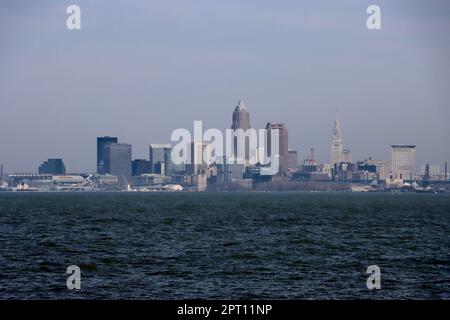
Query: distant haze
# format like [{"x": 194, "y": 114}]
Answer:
[{"x": 139, "y": 69}]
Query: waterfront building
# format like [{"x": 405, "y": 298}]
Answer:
[
  {"x": 43, "y": 182},
  {"x": 72, "y": 179}
]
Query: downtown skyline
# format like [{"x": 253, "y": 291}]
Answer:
[
  {"x": 303, "y": 64},
  {"x": 225, "y": 158},
  {"x": 336, "y": 155}
]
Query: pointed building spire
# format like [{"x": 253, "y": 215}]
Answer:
[
  {"x": 241, "y": 117},
  {"x": 336, "y": 144},
  {"x": 241, "y": 121},
  {"x": 337, "y": 128},
  {"x": 241, "y": 105}
]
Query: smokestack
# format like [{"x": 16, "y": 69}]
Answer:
[
  {"x": 445, "y": 171},
  {"x": 1, "y": 172}
]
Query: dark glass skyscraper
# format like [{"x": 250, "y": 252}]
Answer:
[
  {"x": 160, "y": 158},
  {"x": 102, "y": 142},
  {"x": 118, "y": 161},
  {"x": 140, "y": 166},
  {"x": 52, "y": 166}
]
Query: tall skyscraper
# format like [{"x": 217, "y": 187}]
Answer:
[
  {"x": 52, "y": 166},
  {"x": 282, "y": 144},
  {"x": 102, "y": 142},
  {"x": 403, "y": 161},
  {"x": 118, "y": 161},
  {"x": 160, "y": 158},
  {"x": 241, "y": 120},
  {"x": 337, "y": 145}
]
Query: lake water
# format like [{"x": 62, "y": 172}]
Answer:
[{"x": 224, "y": 245}]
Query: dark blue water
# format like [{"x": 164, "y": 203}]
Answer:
[{"x": 224, "y": 245}]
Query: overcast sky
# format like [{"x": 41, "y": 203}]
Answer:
[{"x": 140, "y": 69}]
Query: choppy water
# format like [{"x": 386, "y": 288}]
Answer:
[{"x": 224, "y": 245}]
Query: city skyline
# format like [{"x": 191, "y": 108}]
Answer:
[
  {"x": 225, "y": 158},
  {"x": 304, "y": 64},
  {"x": 160, "y": 153}
]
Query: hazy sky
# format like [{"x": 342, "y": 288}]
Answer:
[{"x": 139, "y": 69}]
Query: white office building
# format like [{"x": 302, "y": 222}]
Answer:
[{"x": 403, "y": 161}]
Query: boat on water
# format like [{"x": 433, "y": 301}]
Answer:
[{"x": 23, "y": 187}]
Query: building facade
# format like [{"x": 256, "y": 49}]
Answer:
[
  {"x": 160, "y": 158},
  {"x": 102, "y": 142},
  {"x": 373, "y": 166},
  {"x": 403, "y": 161},
  {"x": 140, "y": 166},
  {"x": 199, "y": 157},
  {"x": 228, "y": 171},
  {"x": 337, "y": 145},
  {"x": 292, "y": 163},
  {"x": 283, "y": 140},
  {"x": 346, "y": 155},
  {"x": 52, "y": 166},
  {"x": 118, "y": 161}
]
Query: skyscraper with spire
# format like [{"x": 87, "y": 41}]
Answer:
[
  {"x": 337, "y": 144},
  {"x": 241, "y": 120},
  {"x": 241, "y": 117}
]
